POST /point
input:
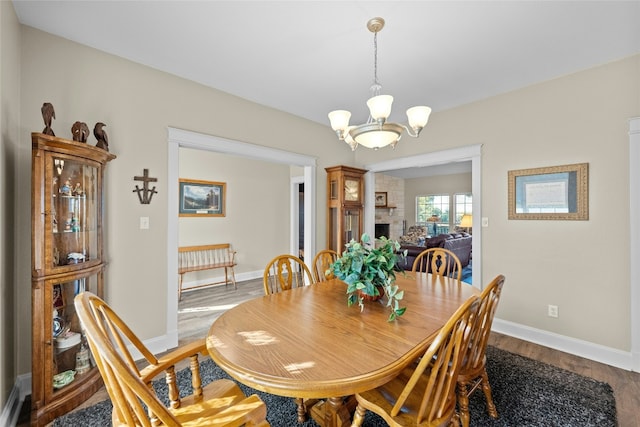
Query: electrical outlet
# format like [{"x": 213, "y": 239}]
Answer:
[{"x": 552, "y": 310}]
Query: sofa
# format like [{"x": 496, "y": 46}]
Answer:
[{"x": 458, "y": 243}]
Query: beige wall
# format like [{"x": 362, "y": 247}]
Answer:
[
  {"x": 581, "y": 117},
  {"x": 138, "y": 104},
  {"x": 13, "y": 296},
  {"x": 257, "y": 209}
]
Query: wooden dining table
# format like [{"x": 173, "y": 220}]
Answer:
[{"x": 307, "y": 343}]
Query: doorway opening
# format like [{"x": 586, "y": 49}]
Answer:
[
  {"x": 297, "y": 217},
  {"x": 453, "y": 156},
  {"x": 301, "y": 220},
  {"x": 182, "y": 138}
]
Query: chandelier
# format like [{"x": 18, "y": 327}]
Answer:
[{"x": 377, "y": 132}]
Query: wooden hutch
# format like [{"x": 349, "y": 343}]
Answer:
[{"x": 67, "y": 258}]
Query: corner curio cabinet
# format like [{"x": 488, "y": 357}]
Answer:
[
  {"x": 66, "y": 259},
  {"x": 345, "y": 202}
]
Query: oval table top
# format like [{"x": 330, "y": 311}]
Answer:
[{"x": 307, "y": 343}]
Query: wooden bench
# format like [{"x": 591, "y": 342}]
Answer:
[{"x": 206, "y": 257}]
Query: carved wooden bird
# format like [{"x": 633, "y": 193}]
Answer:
[
  {"x": 47, "y": 114},
  {"x": 80, "y": 131},
  {"x": 101, "y": 136}
]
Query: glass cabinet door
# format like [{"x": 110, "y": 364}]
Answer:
[
  {"x": 73, "y": 211},
  {"x": 352, "y": 227},
  {"x": 69, "y": 350}
]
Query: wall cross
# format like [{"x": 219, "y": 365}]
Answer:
[{"x": 145, "y": 194}]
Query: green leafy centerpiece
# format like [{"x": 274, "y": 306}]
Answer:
[{"x": 369, "y": 271}]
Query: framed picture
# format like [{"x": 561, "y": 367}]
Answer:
[
  {"x": 381, "y": 199},
  {"x": 202, "y": 198},
  {"x": 558, "y": 192}
]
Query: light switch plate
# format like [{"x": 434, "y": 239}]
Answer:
[
  {"x": 485, "y": 221},
  {"x": 144, "y": 223}
]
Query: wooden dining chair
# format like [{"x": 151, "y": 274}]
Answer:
[
  {"x": 285, "y": 272},
  {"x": 439, "y": 262},
  {"x": 282, "y": 273},
  {"x": 425, "y": 394},
  {"x": 135, "y": 403},
  {"x": 473, "y": 373},
  {"x": 322, "y": 262}
]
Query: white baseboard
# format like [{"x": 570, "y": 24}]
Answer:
[
  {"x": 599, "y": 353},
  {"x": 11, "y": 410},
  {"x": 240, "y": 277}
]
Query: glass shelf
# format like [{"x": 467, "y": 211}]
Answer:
[{"x": 73, "y": 211}]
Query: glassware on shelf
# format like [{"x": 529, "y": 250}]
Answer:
[
  {"x": 66, "y": 188},
  {"x": 82, "y": 360},
  {"x": 63, "y": 378}
]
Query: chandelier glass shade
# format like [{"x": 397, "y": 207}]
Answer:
[{"x": 377, "y": 132}]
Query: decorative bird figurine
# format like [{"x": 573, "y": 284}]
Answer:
[
  {"x": 101, "y": 136},
  {"x": 80, "y": 131},
  {"x": 47, "y": 114}
]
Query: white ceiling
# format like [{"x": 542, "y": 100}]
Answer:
[{"x": 310, "y": 57}]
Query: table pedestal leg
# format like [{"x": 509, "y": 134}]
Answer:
[{"x": 334, "y": 412}]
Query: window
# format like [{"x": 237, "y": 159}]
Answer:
[
  {"x": 462, "y": 206},
  {"x": 433, "y": 210}
]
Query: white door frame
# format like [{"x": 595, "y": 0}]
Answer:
[
  {"x": 183, "y": 138},
  {"x": 634, "y": 231}
]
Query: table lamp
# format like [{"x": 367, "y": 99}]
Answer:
[{"x": 466, "y": 222}]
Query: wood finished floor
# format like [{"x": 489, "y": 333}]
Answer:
[{"x": 199, "y": 308}]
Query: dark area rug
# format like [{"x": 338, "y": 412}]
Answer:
[{"x": 526, "y": 393}]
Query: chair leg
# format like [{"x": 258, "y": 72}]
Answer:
[
  {"x": 463, "y": 403},
  {"x": 233, "y": 278},
  {"x": 358, "y": 416},
  {"x": 486, "y": 388},
  {"x": 302, "y": 410}
]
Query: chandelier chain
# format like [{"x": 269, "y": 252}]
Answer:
[{"x": 376, "y": 86}]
